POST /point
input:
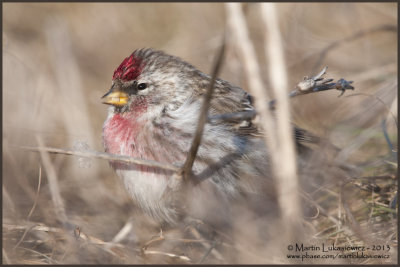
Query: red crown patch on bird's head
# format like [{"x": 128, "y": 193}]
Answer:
[{"x": 129, "y": 69}]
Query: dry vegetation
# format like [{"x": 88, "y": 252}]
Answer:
[{"x": 58, "y": 60}]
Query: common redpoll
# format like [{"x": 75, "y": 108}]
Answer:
[{"x": 155, "y": 100}]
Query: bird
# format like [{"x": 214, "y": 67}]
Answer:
[{"x": 154, "y": 105}]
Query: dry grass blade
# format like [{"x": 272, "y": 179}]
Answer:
[
  {"x": 37, "y": 194},
  {"x": 357, "y": 142},
  {"x": 355, "y": 226},
  {"x": 52, "y": 261},
  {"x": 187, "y": 166},
  {"x": 58, "y": 201},
  {"x": 326, "y": 213},
  {"x": 5, "y": 257},
  {"x": 388, "y": 109},
  {"x": 23, "y": 236}
]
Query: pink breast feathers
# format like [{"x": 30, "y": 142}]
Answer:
[
  {"x": 122, "y": 136},
  {"x": 120, "y": 132}
]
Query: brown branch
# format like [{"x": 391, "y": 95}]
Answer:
[
  {"x": 318, "y": 84},
  {"x": 104, "y": 155},
  {"x": 187, "y": 166},
  {"x": 308, "y": 85}
]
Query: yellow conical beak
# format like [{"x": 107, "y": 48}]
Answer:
[{"x": 115, "y": 98}]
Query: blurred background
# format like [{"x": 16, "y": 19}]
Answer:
[{"x": 58, "y": 60}]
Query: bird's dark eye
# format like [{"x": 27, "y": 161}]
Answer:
[{"x": 142, "y": 86}]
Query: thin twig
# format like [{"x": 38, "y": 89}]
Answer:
[
  {"x": 308, "y": 85},
  {"x": 317, "y": 84},
  {"x": 187, "y": 166},
  {"x": 213, "y": 245},
  {"x": 154, "y": 240},
  {"x": 103, "y": 155}
]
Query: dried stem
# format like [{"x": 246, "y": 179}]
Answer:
[
  {"x": 187, "y": 166},
  {"x": 287, "y": 183},
  {"x": 238, "y": 29}
]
